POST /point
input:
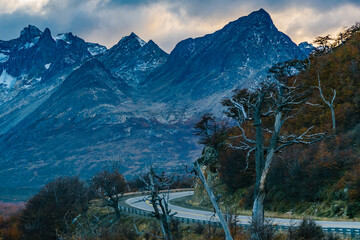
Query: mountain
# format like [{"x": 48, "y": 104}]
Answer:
[
  {"x": 133, "y": 59},
  {"x": 36, "y": 54},
  {"x": 306, "y": 48},
  {"x": 89, "y": 106},
  {"x": 214, "y": 63}
]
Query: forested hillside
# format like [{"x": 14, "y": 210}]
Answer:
[{"x": 318, "y": 179}]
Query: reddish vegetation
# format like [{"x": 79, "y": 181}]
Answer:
[
  {"x": 8, "y": 209},
  {"x": 9, "y": 220}
]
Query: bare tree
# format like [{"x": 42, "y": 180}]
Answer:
[
  {"x": 110, "y": 186},
  {"x": 159, "y": 187},
  {"x": 329, "y": 103},
  {"x": 264, "y": 111},
  {"x": 213, "y": 201},
  {"x": 346, "y": 33},
  {"x": 341, "y": 37},
  {"x": 213, "y": 134},
  {"x": 324, "y": 42}
]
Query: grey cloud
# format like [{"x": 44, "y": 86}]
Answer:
[
  {"x": 132, "y": 2},
  {"x": 68, "y": 19},
  {"x": 204, "y": 8},
  {"x": 11, "y": 24},
  {"x": 106, "y": 21}
]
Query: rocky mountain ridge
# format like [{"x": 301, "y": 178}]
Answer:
[{"x": 72, "y": 107}]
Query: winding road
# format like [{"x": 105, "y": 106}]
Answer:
[{"x": 139, "y": 203}]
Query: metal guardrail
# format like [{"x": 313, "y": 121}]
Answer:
[
  {"x": 139, "y": 193},
  {"x": 352, "y": 232}
]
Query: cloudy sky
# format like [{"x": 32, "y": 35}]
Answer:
[{"x": 169, "y": 21}]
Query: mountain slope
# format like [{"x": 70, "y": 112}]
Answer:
[
  {"x": 231, "y": 57},
  {"x": 133, "y": 101},
  {"x": 133, "y": 59},
  {"x": 33, "y": 66},
  {"x": 37, "y": 55},
  {"x": 62, "y": 125}
]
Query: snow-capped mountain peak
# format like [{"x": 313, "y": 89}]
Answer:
[
  {"x": 141, "y": 42},
  {"x": 27, "y": 58}
]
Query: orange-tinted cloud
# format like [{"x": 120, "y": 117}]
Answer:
[{"x": 169, "y": 21}]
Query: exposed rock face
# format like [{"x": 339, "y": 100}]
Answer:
[
  {"x": 209, "y": 164},
  {"x": 306, "y": 48},
  {"x": 233, "y": 56},
  {"x": 132, "y": 59}
]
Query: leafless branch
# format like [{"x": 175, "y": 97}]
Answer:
[{"x": 330, "y": 104}]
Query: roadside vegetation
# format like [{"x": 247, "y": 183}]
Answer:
[{"x": 293, "y": 143}]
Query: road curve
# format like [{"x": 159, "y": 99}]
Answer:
[{"x": 140, "y": 203}]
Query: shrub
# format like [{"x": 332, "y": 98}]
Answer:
[
  {"x": 56, "y": 205},
  {"x": 307, "y": 230}
]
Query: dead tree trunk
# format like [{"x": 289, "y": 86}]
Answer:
[
  {"x": 277, "y": 99},
  {"x": 258, "y": 209},
  {"x": 258, "y": 206},
  {"x": 159, "y": 201},
  {"x": 330, "y": 104},
  {"x": 213, "y": 201}
]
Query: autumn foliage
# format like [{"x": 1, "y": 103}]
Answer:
[{"x": 326, "y": 171}]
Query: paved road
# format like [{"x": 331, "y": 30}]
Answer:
[{"x": 138, "y": 202}]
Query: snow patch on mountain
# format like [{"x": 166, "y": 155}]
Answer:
[
  {"x": 3, "y": 58},
  {"x": 30, "y": 44},
  {"x": 96, "y": 49},
  {"x": 62, "y": 37},
  {"x": 141, "y": 42},
  {"x": 7, "y": 79},
  {"x": 306, "y": 48}
]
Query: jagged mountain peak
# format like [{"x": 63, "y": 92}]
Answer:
[
  {"x": 151, "y": 42},
  {"x": 125, "y": 48},
  {"x": 132, "y": 59},
  {"x": 47, "y": 32},
  {"x": 36, "y": 56},
  {"x": 240, "y": 50},
  {"x": 257, "y": 17},
  {"x": 46, "y": 37},
  {"x": 153, "y": 46},
  {"x": 30, "y": 32},
  {"x": 131, "y": 39},
  {"x": 256, "y": 21},
  {"x": 68, "y": 38},
  {"x": 261, "y": 13},
  {"x": 133, "y": 35}
]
